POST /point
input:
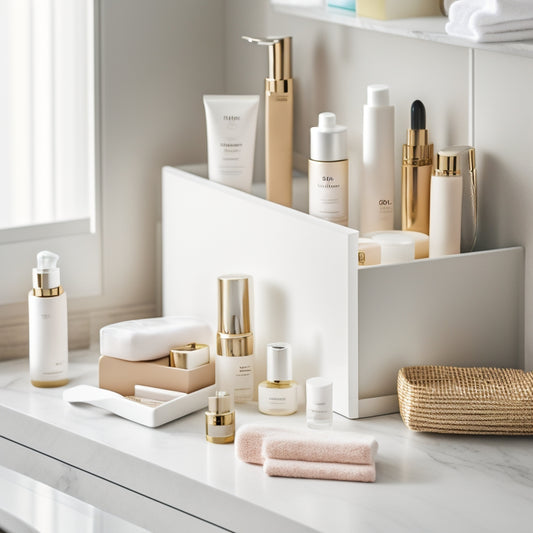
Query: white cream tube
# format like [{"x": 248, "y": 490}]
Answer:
[{"x": 231, "y": 125}]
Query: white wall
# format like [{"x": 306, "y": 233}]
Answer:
[{"x": 158, "y": 58}]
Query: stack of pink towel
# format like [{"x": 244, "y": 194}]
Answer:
[{"x": 307, "y": 454}]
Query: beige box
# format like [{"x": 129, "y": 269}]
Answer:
[{"x": 121, "y": 376}]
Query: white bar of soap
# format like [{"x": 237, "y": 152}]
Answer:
[{"x": 151, "y": 338}]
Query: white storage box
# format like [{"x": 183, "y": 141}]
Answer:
[{"x": 358, "y": 326}]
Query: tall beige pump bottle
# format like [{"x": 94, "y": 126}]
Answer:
[{"x": 278, "y": 119}]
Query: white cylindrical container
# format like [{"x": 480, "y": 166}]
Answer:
[
  {"x": 278, "y": 395},
  {"x": 48, "y": 325},
  {"x": 319, "y": 403},
  {"x": 377, "y": 187},
  {"x": 396, "y": 246},
  {"x": 445, "y": 206},
  {"x": 328, "y": 171},
  {"x": 234, "y": 362}
]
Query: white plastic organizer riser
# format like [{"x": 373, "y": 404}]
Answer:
[{"x": 355, "y": 326}]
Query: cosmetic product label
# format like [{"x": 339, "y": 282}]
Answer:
[
  {"x": 220, "y": 431},
  {"x": 273, "y": 400},
  {"x": 328, "y": 190},
  {"x": 236, "y": 375}
]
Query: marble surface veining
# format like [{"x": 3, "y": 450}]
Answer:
[{"x": 425, "y": 482}]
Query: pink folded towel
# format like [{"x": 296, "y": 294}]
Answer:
[
  {"x": 249, "y": 441},
  {"x": 333, "y": 447},
  {"x": 317, "y": 470},
  {"x": 306, "y": 453}
]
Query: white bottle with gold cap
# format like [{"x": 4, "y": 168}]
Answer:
[
  {"x": 47, "y": 307},
  {"x": 445, "y": 206},
  {"x": 234, "y": 362},
  {"x": 278, "y": 395}
]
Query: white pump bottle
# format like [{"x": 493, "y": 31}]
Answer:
[{"x": 47, "y": 306}]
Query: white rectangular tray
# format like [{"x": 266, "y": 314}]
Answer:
[{"x": 138, "y": 412}]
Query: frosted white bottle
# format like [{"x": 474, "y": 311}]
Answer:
[
  {"x": 377, "y": 185},
  {"x": 234, "y": 362},
  {"x": 445, "y": 206},
  {"x": 328, "y": 171},
  {"x": 48, "y": 327}
]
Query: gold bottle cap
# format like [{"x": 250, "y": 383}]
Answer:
[
  {"x": 447, "y": 164},
  {"x": 234, "y": 304},
  {"x": 189, "y": 356},
  {"x": 221, "y": 403}
]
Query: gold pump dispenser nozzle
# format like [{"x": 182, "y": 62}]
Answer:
[{"x": 278, "y": 118}]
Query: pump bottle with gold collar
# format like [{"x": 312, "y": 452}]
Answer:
[
  {"x": 47, "y": 306},
  {"x": 278, "y": 118}
]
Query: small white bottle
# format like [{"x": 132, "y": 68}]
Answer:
[
  {"x": 445, "y": 206},
  {"x": 328, "y": 171},
  {"x": 377, "y": 186},
  {"x": 278, "y": 395},
  {"x": 47, "y": 308},
  {"x": 234, "y": 362},
  {"x": 319, "y": 403}
]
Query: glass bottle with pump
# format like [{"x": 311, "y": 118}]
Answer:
[
  {"x": 278, "y": 395},
  {"x": 328, "y": 170},
  {"x": 47, "y": 307}
]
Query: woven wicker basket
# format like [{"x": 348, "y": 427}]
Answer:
[{"x": 482, "y": 401}]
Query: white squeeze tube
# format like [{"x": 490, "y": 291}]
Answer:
[
  {"x": 231, "y": 127},
  {"x": 377, "y": 187}
]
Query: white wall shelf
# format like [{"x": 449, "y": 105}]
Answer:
[
  {"x": 358, "y": 326},
  {"x": 424, "y": 28}
]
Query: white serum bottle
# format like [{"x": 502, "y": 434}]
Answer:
[
  {"x": 234, "y": 362},
  {"x": 48, "y": 326},
  {"x": 377, "y": 187},
  {"x": 328, "y": 170}
]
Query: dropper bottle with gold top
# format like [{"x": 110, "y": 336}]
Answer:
[
  {"x": 220, "y": 418},
  {"x": 417, "y": 162}
]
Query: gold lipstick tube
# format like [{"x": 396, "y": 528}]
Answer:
[
  {"x": 279, "y": 105},
  {"x": 417, "y": 163}
]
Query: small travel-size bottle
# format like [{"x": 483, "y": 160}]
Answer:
[
  {"x": 278, "y": 395},
  {"x": 319, "y": 403},
  {"x": 220, "y": 418}
]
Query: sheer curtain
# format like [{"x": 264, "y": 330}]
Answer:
[{"x": 46, "y": 111}]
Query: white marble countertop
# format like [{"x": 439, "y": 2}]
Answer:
[{"x": 424, "y": 482}]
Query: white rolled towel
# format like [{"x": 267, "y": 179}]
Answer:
[{"x": 491, "y": 20}]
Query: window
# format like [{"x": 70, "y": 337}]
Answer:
[
  {"x": 47, "y": 137},
  {"x": 46, "y": 110}
]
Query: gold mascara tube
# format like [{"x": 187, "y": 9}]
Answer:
[{"x": 417, "y": 163}]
